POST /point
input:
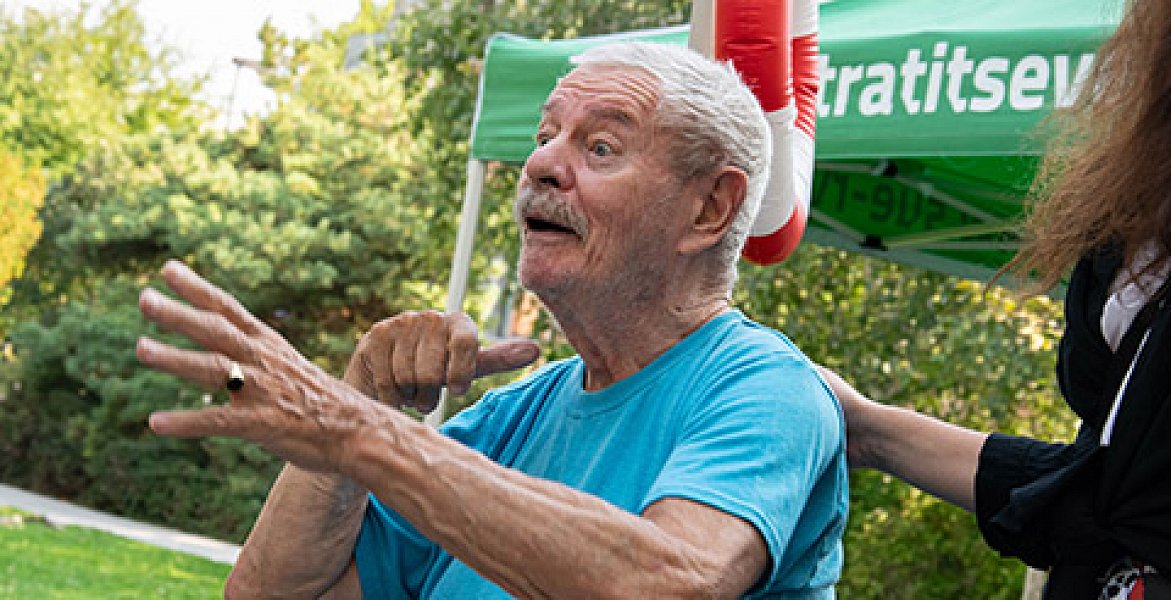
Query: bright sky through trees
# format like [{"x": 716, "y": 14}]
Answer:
[{"x": 211, "y": 33}]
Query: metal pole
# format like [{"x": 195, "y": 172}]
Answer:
[
  {"x": 232, "y": 99},
  {"x": 464, "y": 240}
]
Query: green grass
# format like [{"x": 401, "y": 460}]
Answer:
[{"x": 44, "y": 562}]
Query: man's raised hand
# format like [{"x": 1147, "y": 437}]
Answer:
[
  {"x": 287, "y": 404},
  {"x": 407, "y": 359}
]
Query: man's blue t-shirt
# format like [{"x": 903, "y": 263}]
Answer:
[{"x": 733, "y": 416}]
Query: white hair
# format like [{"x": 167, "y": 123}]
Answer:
[{"x": 715, "y": 120}]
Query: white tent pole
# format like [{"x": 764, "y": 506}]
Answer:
[{"x": 461, "y": 263}]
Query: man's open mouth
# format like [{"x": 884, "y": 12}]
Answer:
[{"x": 540, "y": 224}]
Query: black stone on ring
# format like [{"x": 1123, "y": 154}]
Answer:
[{"x": 235, "y": 381}]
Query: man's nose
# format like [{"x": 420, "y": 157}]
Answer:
[{"x": 547, "y": 166}]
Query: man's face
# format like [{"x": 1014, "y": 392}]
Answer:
[{"x": 595, "y": 196}]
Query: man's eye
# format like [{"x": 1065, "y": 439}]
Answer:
[
  {"x": 602, "y": 149},
  {"x": 543, "y": 139}
]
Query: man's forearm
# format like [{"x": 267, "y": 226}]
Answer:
[
  {"x": 533, "y": 537},
  {"x": 304, "y": 538}
]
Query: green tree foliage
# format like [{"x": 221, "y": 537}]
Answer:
[
  {"x": 73, "y": 78},
  {"x": 21, "y": 193}
]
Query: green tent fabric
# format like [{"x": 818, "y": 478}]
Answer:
[{"x": 927, "y": 116}]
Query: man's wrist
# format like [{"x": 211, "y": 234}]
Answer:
[{"x": 379, "y": 444}]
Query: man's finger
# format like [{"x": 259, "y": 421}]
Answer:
[
  {"x": 213, "y": 420},
  {"x": 430, "y": 359},
  {"x": 507, "y": 355},
  {"x": 402, "y": 358},
  {"x": 205, "y": 295},
  {"x": 426, "y": 399},
  {"x": 208, "y": 329},
  {"x": 462, "y": 354},
  {"x": 209, "y": 370},
  {"x": 385, "y": 387}
]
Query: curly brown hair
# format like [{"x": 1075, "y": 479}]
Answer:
[{"x": 1106, "y": 176}]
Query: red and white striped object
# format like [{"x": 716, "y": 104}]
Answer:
[{"x": 773, "y": 45}]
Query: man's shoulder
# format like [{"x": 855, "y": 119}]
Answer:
[
  {"x": 753, "y": 361},
  {"x": 742, "y": 339}
]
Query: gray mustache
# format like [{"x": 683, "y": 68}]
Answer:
[{"x": 530, "y": 201}]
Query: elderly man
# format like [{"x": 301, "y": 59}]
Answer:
[{"x": 685, "y": 452}]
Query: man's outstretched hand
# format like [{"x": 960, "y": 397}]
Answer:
[{"x": 288, "y": 404}]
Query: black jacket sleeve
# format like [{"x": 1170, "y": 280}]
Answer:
[{"x": 1017, "y": 481}]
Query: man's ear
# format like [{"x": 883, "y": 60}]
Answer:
[{"x": 721, "y": 198}]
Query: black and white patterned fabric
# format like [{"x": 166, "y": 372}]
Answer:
[{"x": 1124, "y": 581}]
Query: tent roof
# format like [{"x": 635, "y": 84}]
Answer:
[{"x": 1011, "y": 61}]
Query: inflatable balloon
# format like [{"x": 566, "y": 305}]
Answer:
[{"x": 773, "y": 45}]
